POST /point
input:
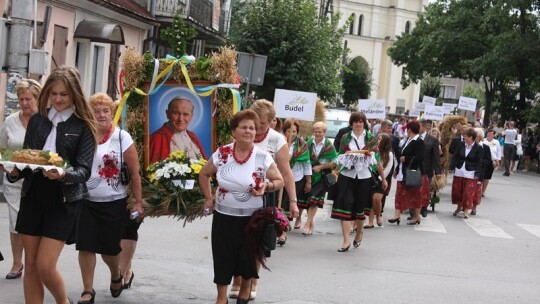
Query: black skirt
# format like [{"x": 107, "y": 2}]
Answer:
[
  {"x": 352, "y": 197},
  {"x": 44, "y": 213},
  {"x": 100, "y": 226},
  {"x": 229, "y": 250}
]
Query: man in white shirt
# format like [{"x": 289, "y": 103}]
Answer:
[{"x": 509, "y": 150}]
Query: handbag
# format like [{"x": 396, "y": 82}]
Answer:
[
  {"x": 329, "y": 179},
  {"x": 374, "y": 179},
  {"x": 269, "y": 235},
  {"x": 125, "y": 176},
  {"x": 413, "y": 178}
]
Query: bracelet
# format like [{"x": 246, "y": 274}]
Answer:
[{"x": 293, "y": 200}]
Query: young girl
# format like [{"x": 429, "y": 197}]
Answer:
[
  {"x": 50, "y": 200},
  {"x": 385, "y": 159}
]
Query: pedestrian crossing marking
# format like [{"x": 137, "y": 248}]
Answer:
[
  {"x": 533, "y": 229},
  {"x": 485, "y": 227},
  {"x": 431, "y": 224}
]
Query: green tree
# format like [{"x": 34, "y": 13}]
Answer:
[
  {"x": 489, "y": 41},
  {"x": 431, "y": 87},
  {"x": 178, "y": 34},
  {"x": 357, "y": 81},
  {"x": 303, "y": 53},
  {"x": 475, "y": 92}
]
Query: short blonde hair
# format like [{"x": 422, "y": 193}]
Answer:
[
  {"x": 320, "y": 124},
  {"x": 479, "y": 133},
  {"x": 101, "y": 99},
  {"x": 29, "y": 85},
  {"x": 264, "y": 107}
]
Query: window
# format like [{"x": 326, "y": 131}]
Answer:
[
  {"x": 360, "y": 24},
  {"x": 97, "y": 69},
  {"x": 351, "y": 26},
  {"x": 407, "y": 27},
  {"x": 448, "y": 92}
]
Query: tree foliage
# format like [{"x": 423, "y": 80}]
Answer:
[
  {"x": 495, "y": 42},
  {"x": 430, "y": 86},
  {"x": 357, "y": 81},
  {"x": 303, "y": 53}
]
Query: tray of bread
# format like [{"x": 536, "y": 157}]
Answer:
[{"x": 33, "y": 159}]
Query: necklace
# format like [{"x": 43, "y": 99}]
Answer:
[
  {"x": 106, "y": 136},
  {"x": 262, "y": 138},
  {"x": 241, "y": 162}
]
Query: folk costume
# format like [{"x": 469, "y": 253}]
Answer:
[
  {"x": 321, "y": 153},
  {"x": 301, "y": 167}
]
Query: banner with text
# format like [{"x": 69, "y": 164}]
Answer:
[
  {"x": 295, "y": 104},
  {"x": 449, "y": 107},
  {"x": 373, "y": 108},
  {"x": 434, "y": 112},
  {"x": 467, "y": 103},
  {"x": 427, "y": 100}
]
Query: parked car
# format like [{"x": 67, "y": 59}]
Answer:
[{"x": 335, "y": 120}]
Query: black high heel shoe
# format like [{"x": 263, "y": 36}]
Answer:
[
  {"x": 128, "y": 285},
  {"x": 356, "y": 244},
  {"x": 281, "y": 241},
  {"x": 417, "y": 222},
  {"x": 92, "y": 295},
  {"x": 394, "y": 220},
  {"x": 115, "y": 293},
  {"x": 15, "y": 275},
  {"x": 344, "y": 249}
]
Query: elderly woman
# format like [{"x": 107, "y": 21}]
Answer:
[
  {"x": 322, "y": 156},
  {"x": 11, "y": 137},
  {"x": 468, "y": 160},
  {"x": 354, "y": 184},
  {"x": 486, "y": 163},
  {"x": 104, "y": 210},
  {"x": 495, "y": 148},
  {"x": 300, "y": 166},
  {"x": 412, "y": 157},
  {"x": 274, "y": 143},
  {"x": 244, "y": 173}
]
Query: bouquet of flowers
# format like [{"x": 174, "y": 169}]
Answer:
[{"x": 172, "y": 187}]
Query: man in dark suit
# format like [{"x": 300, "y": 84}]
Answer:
[
  {"x": 454, "y": 145},
  {"x": 340, "y": 133},
  {"x": 432, "y": 159}
]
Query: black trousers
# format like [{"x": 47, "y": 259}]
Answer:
[{"x": 509, "y": 152}]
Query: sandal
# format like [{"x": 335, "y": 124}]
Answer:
[
  {"x": 233, "y": 294},
  {"x": 115, "y": 293},
  {"x": 92, "y": 297}
]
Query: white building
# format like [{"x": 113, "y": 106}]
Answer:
[{"x": 375, "y": 27}]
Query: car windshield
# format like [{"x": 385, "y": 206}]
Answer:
[{"x": 334, "y": 126}]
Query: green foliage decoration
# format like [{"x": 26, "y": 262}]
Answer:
[{"x": 178, "y": 34}]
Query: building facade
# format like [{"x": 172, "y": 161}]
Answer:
[{"x": 375, "y": 26}]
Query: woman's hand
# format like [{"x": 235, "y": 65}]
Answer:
[
  {"x": 316, "y": 169},
  {"x": 384, "y": 184},
  {"x": 13, "y": 172},
  {"x": 258, "y": 190},
  {"x": 53, "y": 174},
  {"x": 307, "y": 187},
  {"x": 402, "y": 159}
]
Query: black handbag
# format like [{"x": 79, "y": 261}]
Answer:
[
  {"x": 125, "y": 176},
  {"x": 269, "y": 235},
  {"x": 374, "y": 179},
  {"x": 413, "y": 178},
  {"x": 329, "y": 179}
]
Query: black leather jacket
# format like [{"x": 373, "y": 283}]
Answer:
[{"x": 74, "y": 143}]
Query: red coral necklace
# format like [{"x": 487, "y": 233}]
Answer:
[
  {"x": 262, "y": 138},
  {"x": 241, "y": 162},
  {"x": 106, "y": 136}
]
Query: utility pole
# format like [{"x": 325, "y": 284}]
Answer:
[{"x": 19, "y": 46}]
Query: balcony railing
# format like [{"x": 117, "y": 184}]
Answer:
[{"x": 200, "y": 12}]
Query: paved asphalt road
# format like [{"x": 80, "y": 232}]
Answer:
[{"x": 491, "y": 258}]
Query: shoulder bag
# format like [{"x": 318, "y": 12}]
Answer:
[
  {"x": 413, "y": 178},
  {"x": 269, "y": 235},
  {"x": 125, "y": 177}
]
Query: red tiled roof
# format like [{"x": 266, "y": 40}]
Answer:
[{"x": 129, "y": 8}]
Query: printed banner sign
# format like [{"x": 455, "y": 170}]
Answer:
[
  {"x": 449, "y": 107},
  {"x": 434, "y": 113},
  {"x": 373, "y": 108},
  {"x": 414, "y": 112},
  {"x": 420, "y": 106},
  {"x": 427, "y": 100},
  {"x": 467, "y": 103},
  {"x": 295, "y": 104}
]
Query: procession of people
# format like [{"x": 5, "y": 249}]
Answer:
[{"x": 268, "y": 165}]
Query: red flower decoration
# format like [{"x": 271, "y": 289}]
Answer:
[
  {"x": 109, "y": 171},
  {"x": 223, "y": 154}
]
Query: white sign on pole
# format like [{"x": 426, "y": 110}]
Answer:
[
  {"x": 434, "y": 113},
  {"x": 414, "y": 112},
  {"x": 449, "y": 107},
  {"x": 373, "y": 108},
  {"x": 295, "y": 104},
  {"x": 467, "y": 103},
  {"x": 420, "y": 106},
  {"x": 429, "y": 100}
]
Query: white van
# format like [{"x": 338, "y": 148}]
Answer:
[{"x": 335, "y": 120}]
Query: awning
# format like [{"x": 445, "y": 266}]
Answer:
[{"x": 100, "y": 32}]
